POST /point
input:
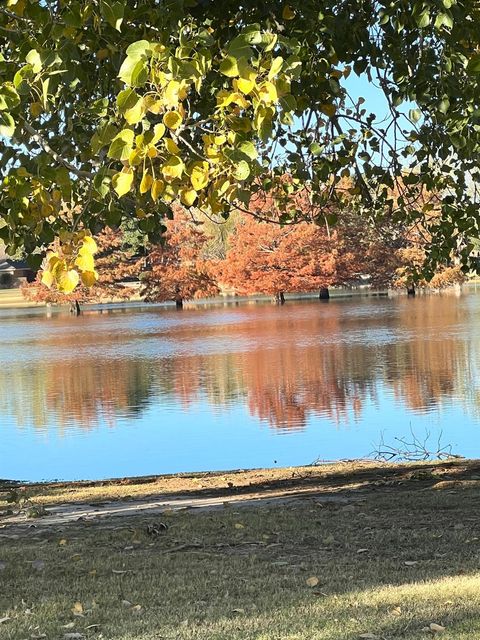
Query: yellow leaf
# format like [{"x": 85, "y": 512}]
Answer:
[
  {"x": 77, "y": 609},
  {"x": 146, "y": 183},
  {"x": 158, "y": 187},
  {"x": 171, "y": 93},
  {"x": 89, "y": 245},
  {"x": 312, "y": 581},
  {"x": 47, "y": 279},
  {"x": 67, "y": 281},
  {"x": 288, "y": 13},
  {"x": 268, "y": 92},
  {"x": 85, "y": 262},
  {"x": 158, "y": 131},
  {"x": 328, "y": 109},
  {"x": 135, "y": 158},
  {"x": 188, "y": 196},
  {"x": 173, "y": 168},
  {"x": 62, "y": 542},
  {"x": 220, "y": 139},
  {"x": 277, "y": 64},
  {"x": 122, "y": 182},
  {"x": 199, "y": 175},
  {"x": 140, "y": 213},
  {"x": 172, "y": 147},
  {"x": 136, "y": 113},
  {"x": 244, "y": 86},
  {"x": 89, "y": 278},
  {"x": 239, "y": 525},
  {"x": 172, "y": 119},
  {"x": 152, "y": 152}
]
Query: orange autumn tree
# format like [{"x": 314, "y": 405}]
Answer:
[
  {"x": 115, "y": 263},
  {"x": 178, "y": 269},
  {"x": 273, "y": 259}
]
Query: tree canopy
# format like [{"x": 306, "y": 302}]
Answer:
[{"x": 116, "y": 110}]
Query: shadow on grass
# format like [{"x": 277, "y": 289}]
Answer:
[{"x": 389, "y": 566}]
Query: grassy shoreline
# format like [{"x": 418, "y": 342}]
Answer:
[{"x": 397, "y": 558}]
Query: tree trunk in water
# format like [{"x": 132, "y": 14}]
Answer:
[
  {"x": 411, "y": 290},
  {"x": 179, "y": 302},
  {"x": 75, "y": 308},
  {"x": 324, "y": 294},
  {"x": 279, "y": 298}
]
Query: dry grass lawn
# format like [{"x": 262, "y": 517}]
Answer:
[{"x": 388, "y": 565}]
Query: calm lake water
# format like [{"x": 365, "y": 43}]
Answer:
[{"x": 150, "y": 391}]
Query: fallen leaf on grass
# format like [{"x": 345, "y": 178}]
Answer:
[
  {"x": 73, "y": 636},
  {"x": 77, "y": 609},
  {"x": 138, "y": 609},
  {"x": 396, "y": 611},
  {"x": 369, "y": 636},
  {"x": 410, "y": 563},
  {"x": 119, "y": 572},
  {"x": 238, "y": 610},
  {"x": 69, "y": 625},
  {"x": 362, "y": 550},
  {"x": 5, "y": 619},
  {"x": 312, "y": 581},
  {"x": 63, "y": 542},
  {"x": 436, "y": 628},
  {"x": 93, "y": 626},
  {"x": 239, "y": 525},
  {"x": 126, "y": 603}
]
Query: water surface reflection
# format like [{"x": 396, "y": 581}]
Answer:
[{"x": 214, "y": 388}]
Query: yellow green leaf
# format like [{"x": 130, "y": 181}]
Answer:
[
  {"x": 199, "y": 175},
  {"x": 122, "y": 182},
  {"x": 277, "y": 64},
  {"x": 244, "y": 86},
  {"x": 172, "y": 147},
  {"x": 89, "y": 245},
  {"x": 152, "y": 152},
  {"x": 173, "y": 168},
  {"x": 47, "y": 279},
  {"x": 171, "y": 93},
  {"x": 158, "y": 187},
  {"x": 146, "y": 183},
  {"x": 136, "y": 113},
  {"x": 85, "y": 262},
  {"x": 188, "y": 196},
  {"x": 68, "y": 280},
  {"x": 172, "y": 119},
  {"x": 268, "y": 92},
  {"x": 36, "y": 109},
  {"x": 158, "y": 131},
  {"x": 229, "y": 67}
]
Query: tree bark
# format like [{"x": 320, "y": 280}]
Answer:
[
  {"x": 411, "y": 290},
  {"x": 179, "y": 302},
  {"x": 279, "y": 298},
  {"x": 324, "y": 294},
  {"x": 75, "y": 308}
]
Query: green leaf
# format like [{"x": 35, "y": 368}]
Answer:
[
  {"x": 122, "y": 145},
  {"x": 7, "y": 125},
  {"x": 126, "y": 99},
  {"x": 414, "y": 115},
  {"x": 242, "y": 170},
  {"x": 423, "y": 19},
  {"x": 140, "y": 49},
  {"x": 33, "y": 58},
  {"x": 444, "y": 105},
  {"x": 122, "y": 182},
  {"x": 473, "y": 66},
  {"x": 277, "y": 64},
  {"x": 112, "y": 12},
  {"x": 229, "y": 67},
  {"x": 248, "y": 148},
  {"x": 9, "y": 98},
  {"x": 316, "y": 148}
]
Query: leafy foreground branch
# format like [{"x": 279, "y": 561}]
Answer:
[{"x": 390, "y": 564}]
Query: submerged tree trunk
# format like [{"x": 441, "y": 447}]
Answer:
[
  {"x": 279, "y": 298},
  {"x": 411, "y": 290},
  {"x": 324, "y": 294},
  {"x": 75, "y": 308},
  {"x": 179, "y": 302}
]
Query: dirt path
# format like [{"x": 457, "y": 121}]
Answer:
[{"x": 62, "y": 514}]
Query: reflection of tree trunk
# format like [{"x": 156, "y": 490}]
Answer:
[
  {"x": 324, "y": 294},
  {"x": 75, "y": 308},
  {"x": 178, "y": 298},
  {"x": 410, "y": 290},
  {"x": 279, "y": 298}
]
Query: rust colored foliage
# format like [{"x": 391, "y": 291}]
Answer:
[
  {"x": 177, "y": 268},
  {"x": 273, "y": 259},
  {"x": 114, "y": 263}
]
